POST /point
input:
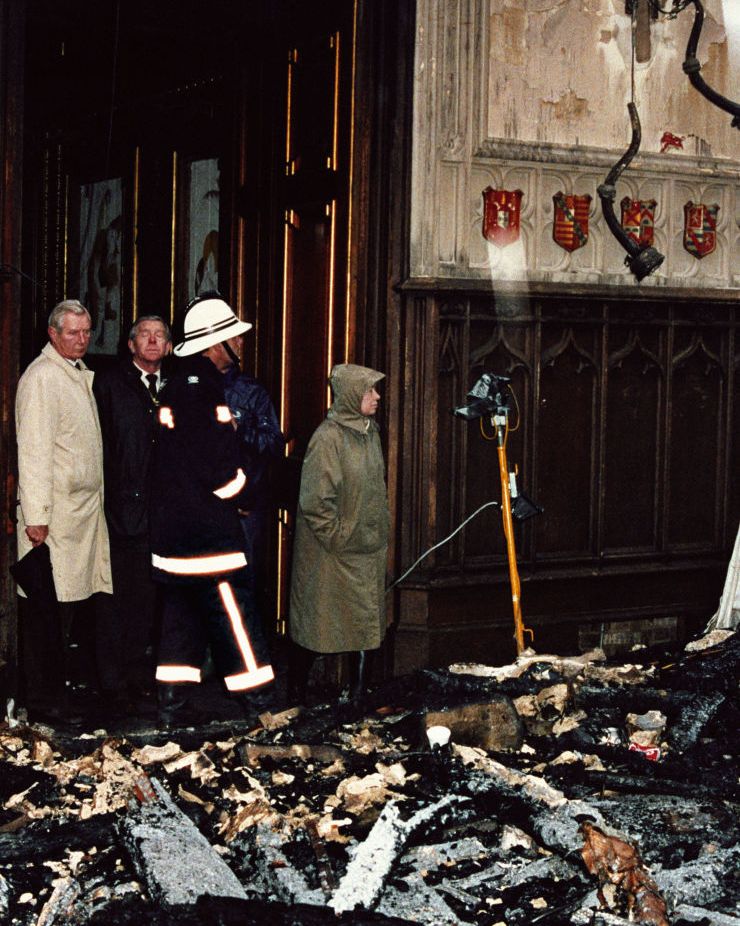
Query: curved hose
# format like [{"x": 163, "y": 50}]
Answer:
[
  {"x": 641, "y": 260},
  {"x": 692, "y": 68}
]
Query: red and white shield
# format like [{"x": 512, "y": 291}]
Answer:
[
  {"x": 638, "y": 220},
  {"x": 501, "y": 215},
  {"x": 570, "y": 222},
  {"x": 700, "y": 228}
]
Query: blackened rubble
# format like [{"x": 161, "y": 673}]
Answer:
[{"x": 605, "y": 791}]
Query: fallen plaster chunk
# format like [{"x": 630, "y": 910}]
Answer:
[
  {"x": 554, "y": 697},
  {"x": 646, "y": 729},
  {"x": 566, "y": 665},
  {"x": 357, "y": 794},
  {"x": 568, "y": 723},
  {"x": 713, "y": 638},
  {"x": 149, "y": 754},
  {"x": 172, "y": 857},
  {"x": 627, "y": 674},
  {"x": 371, "y": 864},
  {"x": 252, "y": 753},
  {"x": 200, "y": 765},
  {"x": 514, "y": 838},
  {"x": 272, "y": 721}
]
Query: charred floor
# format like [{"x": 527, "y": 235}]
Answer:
[{"x": 575, "y": 789}]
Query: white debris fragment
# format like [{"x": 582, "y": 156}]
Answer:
[
  {"x": 512, "y": 838},
  {"x": 367, "y": 871},
  {"x": 149, "y": 754}
]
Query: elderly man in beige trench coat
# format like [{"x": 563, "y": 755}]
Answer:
[{"x": 60, "y": 493}]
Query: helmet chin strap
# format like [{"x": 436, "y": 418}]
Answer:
[{"x": 232, "y": 353}]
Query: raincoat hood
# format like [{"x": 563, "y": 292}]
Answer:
[{"x": 349, "y": 383}]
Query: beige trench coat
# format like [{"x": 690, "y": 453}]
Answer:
[
  {"x": 337, "y": 596},
  {"x": 60, "y": 473}
]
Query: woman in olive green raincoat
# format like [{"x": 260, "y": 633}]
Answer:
[{"x": 337, "y": 593}]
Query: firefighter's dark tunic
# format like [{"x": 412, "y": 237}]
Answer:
[{"x": 196, "y": 538}]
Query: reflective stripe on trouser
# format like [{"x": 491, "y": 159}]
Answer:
[{"x": 220, "y": 613}]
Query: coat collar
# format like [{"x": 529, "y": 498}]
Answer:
[{"x": 51, "y": 353}]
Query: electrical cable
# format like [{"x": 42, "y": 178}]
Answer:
[{"x": 441, "y": 542}]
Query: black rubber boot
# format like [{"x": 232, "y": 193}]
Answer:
[
  {"x": 256, "y": 701},
  {"x": 360, "y": 667},
  {"x": 300, "y": 662},
  {"x": 172, "y": 702}
]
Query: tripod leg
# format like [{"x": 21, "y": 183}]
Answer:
[{"x": 508, "y": 522}]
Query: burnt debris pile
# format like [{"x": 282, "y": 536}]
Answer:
[{"x": 552, "y": 790}]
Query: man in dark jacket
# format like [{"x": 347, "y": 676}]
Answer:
[
  {"x": 197, "y": 545},
  {"x": 127, "y": 406}
]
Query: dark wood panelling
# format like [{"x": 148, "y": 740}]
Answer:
[
  {"x": 627, "y": 437},
  {"x": 12, "y": 284}
]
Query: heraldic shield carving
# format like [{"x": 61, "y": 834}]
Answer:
[
  {"x": 501, "y": 215},
  {"x": 638, "y": 220},
  {"x": 700, "y": 228},
  {"x": 570, "y": 222}
]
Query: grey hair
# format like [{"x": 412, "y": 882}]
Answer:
[
  {"x": 66, "y": 307},
  {"x": 149, "y": 318}
]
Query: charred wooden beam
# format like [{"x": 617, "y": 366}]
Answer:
[
  {"x": 52, "y": 841},
  {"x": 635, "y": 784},
  {"x": 369, "y": 868},
  {"x": 175, "y": 860}
]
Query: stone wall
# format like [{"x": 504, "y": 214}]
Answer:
[{"x": 533, "y": 96}]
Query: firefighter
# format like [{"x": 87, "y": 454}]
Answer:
[{"x": 197, "y": 543}]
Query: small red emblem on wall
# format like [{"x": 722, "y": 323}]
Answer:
[
  {"x": 700, "y": 228},
  {"x": 570, "y": 223},
  {"x": 638, "y": 220},
  {"x": 501, "y": 215}
]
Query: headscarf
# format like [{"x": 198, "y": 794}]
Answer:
[{"x": 349, "y": 383}]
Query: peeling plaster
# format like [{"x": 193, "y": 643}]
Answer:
[
  {"x": 561, "y": 70},
  {"x": 568, "y": 106}
]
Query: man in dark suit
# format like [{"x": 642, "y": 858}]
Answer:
[{"x": 128, "y": 407}]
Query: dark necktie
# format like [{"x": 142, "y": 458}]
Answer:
[
  {"x": 78, "y": 365},
  {"x": 151, "y": 379}
]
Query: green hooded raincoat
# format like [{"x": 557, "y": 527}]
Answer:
[{"x": 337, "y": 594}]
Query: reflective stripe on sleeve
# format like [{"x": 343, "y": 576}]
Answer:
[{"x": 233, "y": 487}]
